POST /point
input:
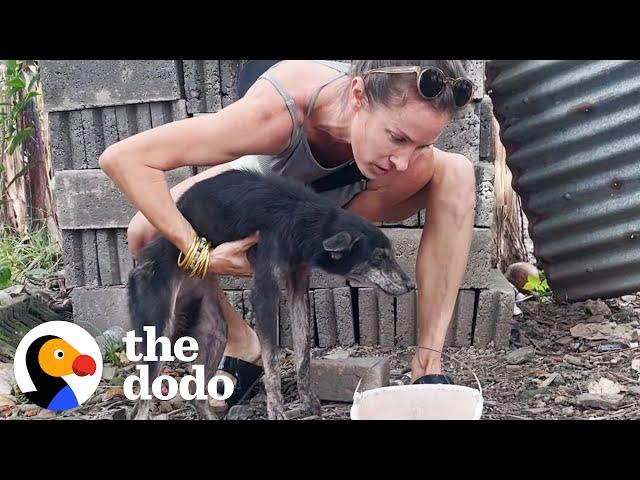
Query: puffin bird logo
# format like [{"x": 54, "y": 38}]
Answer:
[{"x": 58, "y": 365}]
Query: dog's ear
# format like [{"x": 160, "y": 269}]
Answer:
[{"x": 339, "y": 244}]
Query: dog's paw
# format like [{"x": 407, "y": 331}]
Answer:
[
  {"x": 311, "y": 404},
  {"x": 276, "y": 412},
  {"x": 205, "y": 411},
  {"x": 140, "y": 411}
]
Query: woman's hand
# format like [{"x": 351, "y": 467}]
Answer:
[{"x": 230, "y": 258}]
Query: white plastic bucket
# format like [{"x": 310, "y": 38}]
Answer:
[{"x": 418, "y": 402}]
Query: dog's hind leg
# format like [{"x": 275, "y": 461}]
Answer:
[
  {"x": 298, "y": 291},
  {"x": 150, "y": 305},
  {"x": 200, "y": 299},
  {"x": 265, "y": 299}
]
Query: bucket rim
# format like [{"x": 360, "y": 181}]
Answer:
[{"x": 359, "y": 396}]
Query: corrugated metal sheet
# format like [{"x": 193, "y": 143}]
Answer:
[{"x": 572, "y": 134}]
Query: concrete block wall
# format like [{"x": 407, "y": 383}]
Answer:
[{"x": 93, "y": 104}]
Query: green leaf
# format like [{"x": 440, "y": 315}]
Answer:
[
  {"x": 33, "y": 81},
  {"x": 532, "y": 284},
  {"x": 30, "y": 95},
  {"x": 22, "y": 172},
  {"x": 11, "y": 64},
  {"x": 5, "y": 276},
  {"x": 16, "y": 83},
  {"x": 19, "y": 138},
  {"x": 545, "y": 285}
]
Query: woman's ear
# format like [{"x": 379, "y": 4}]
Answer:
[{"x": 357, "y": 97}]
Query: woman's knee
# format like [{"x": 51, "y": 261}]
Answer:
[
  {"x": 458, "y": 185},
  {"x": 139, "y": 233}
]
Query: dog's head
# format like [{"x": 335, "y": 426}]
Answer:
[{"x": 359, "y": 251}]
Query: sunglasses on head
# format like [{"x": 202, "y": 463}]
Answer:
[{"x": 431, "y": 82}]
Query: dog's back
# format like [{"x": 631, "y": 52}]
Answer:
[
  {"x": 235, "y": 204},
  {"x": 230, "y": 206}
]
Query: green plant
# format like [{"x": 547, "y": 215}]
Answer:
[
  {"x": 538, "y": 286},
  {"x": 32, "y": 254},
  {"x": 112, "y": 351},
  {"x": 16, "y": 91},
  {"x": 5, "y": 276}
]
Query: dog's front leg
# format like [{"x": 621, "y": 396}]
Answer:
[
  {"x": 265, "y": 299},
  {"x": 298, "y": 290}
]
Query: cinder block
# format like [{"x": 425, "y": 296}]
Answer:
[
  {"x": 459, "y": 332},
  {"x": 77, "y": 84},
  {"x": 133, "y": 119},
  {"x": 108, "y": 263},
  {"x": 475, "y": 71},
  {"x": 461, "y": 326},
  {"x": 96, "y": 257},
  {"x": 229, "y": 70},
  {"x": 337, "y": 380},
  {"x": 406, "y": 242},
  {"x": 344, "y": 315},
  {"x": 486, "y": 130},
  {"x": 321, "y": 279},
  {"x": 462, "y": 135},
  {"x": 386, "y": 319},
  {"x": 72, "y": 257},
  {"x": 90, "y": 267},
  {"x": 78, "y": 138},
  {"x": 485, "y": 196},
  {"x": 124, "y": 256},
  {"x": 66, "y": 137},
  {"x": 368, "y": 316},
  {"x": 202, "y": 85},
  {"x": 325, "y": 317},
  {"x": 494, "y": 315},
  {"x": 88, "y": 199},
  {"x": 406, "y": 319},
  {"x": 98, "y": 309}
]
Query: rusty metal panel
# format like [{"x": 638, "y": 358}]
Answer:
[{"x": 572, "y": 134}]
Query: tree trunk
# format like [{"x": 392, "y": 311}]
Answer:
[{"x": 509, "y": 233}]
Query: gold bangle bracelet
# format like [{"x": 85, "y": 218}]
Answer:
[
  {"x": 202, "y": 262},
  {"x": 188, "y": 258}
]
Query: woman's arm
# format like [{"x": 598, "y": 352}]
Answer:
[{"x": 259, "y": 123}]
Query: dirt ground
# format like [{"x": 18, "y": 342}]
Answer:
[{"x": 548, "y": 372}]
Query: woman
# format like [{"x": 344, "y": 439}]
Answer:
[{"x": 306, "y": 120}]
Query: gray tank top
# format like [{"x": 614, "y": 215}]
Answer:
[{"x": 297, "y": 162}]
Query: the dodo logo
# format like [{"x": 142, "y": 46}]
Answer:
[{"x": 58, "y": 365}]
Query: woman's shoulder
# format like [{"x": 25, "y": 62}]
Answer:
[{"x": 301, "y": 78}]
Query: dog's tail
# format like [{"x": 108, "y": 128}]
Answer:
[{"x": 152, "y": 287}]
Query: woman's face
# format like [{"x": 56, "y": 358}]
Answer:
[{"x": 384, "y": 139}]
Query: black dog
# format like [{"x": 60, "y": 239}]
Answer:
[{"x": 299, "y": 230}]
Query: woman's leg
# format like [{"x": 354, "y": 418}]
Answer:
[{"x": 449, "y": 199}]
